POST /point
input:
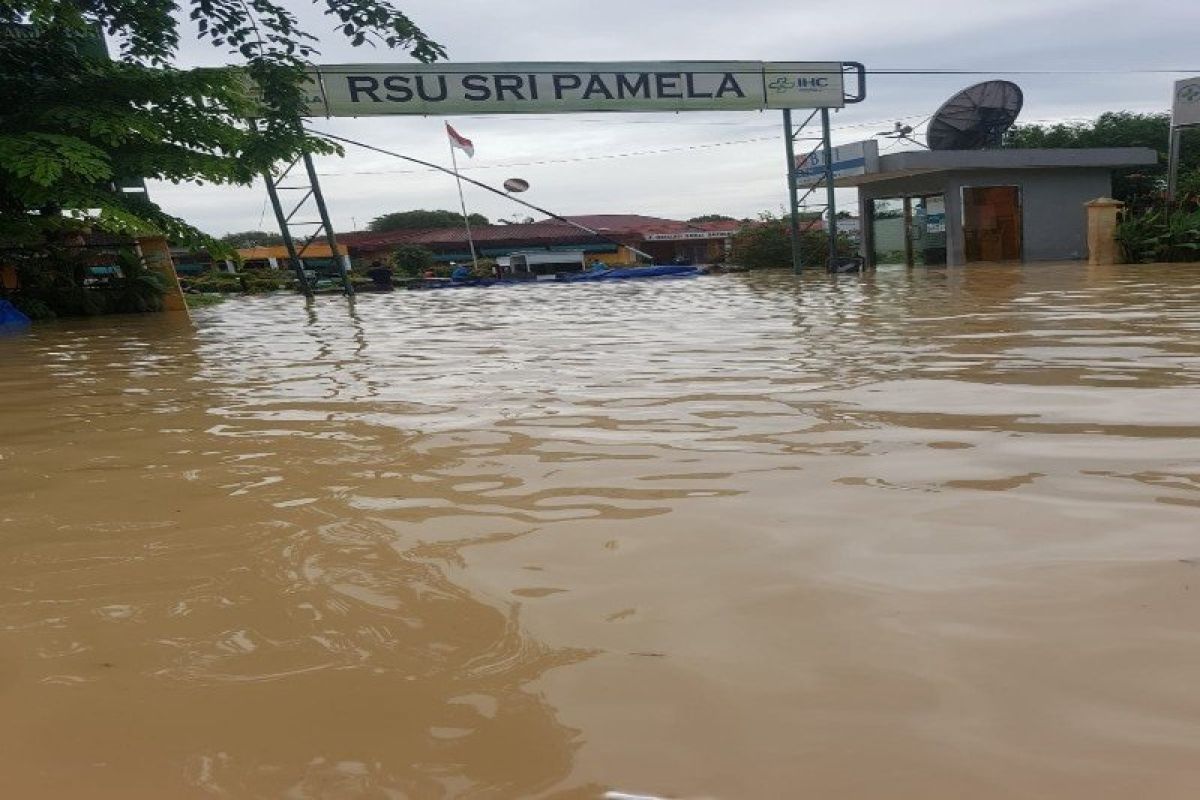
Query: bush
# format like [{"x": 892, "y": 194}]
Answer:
[
  {"x": 77, "y": 301},
  {"x": 890, "y": 257},
  {"x": 218, "y": 282},
  {"x": 203, "y": 300},
  {"x": 263, "y": 282},
  {"x": 244, "y": 282},
  {"x": 53, "y": 286},
  {"x": 33, "y": 308},
  {"x": 767, "y": 244},
  {"x": 1160, "y": 234},
  {"x": 485, "y": 268},
  {"x": 412, "y": 260},
  {"x": 138, "y": 290}
]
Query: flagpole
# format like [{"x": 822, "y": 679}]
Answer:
[{"x": 463, "y": 203}]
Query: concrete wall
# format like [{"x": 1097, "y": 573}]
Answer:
[
  {"x": 157, "y": 254},
  {"x": 1053, "y": 219}
]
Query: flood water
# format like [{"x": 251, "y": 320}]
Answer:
[{"x": 914, "y": 535}]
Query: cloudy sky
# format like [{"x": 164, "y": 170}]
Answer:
[{"x": 731, "y": 162}]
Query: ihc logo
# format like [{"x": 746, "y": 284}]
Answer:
[
  {"x": 784, "y": 84},
  {"x": 780, "y": 84},
  {"x": 1189, "y": 93}
]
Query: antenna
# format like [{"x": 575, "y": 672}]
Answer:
[
  {"x": 975, "y": 118},
  {"x": 900, "y": 132}
]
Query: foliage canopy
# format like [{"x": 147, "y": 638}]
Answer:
[
  {"x": 251, "y": 239},
  {"x": 422, "y": 219},
  {"x": 767, "y": 244},
  {"x": 75, "y": 126},
  {"x": 1138, "y": 186},
  {"x": 410, "y": 260},
  {"x": 711, "y": 218}
]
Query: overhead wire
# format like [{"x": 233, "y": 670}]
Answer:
[
  {"x": 473, "y": 182},
  {"x": 651, "y": 152},
  {"x": 607, "y": 156}
]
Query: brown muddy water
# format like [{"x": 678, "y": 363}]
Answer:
[{"x": 929, "y": 534}]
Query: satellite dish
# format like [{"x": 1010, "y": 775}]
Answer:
[
  {"x": 516, "y": 185},
  {"x": 976, "y": 117}
]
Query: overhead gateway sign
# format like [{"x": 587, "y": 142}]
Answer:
[{"x": 354, "y": 90}]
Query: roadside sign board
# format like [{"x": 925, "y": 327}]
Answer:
[
  {"x": 684, "y": 236},
  {"x": 1185, "y": 107},
  {"x": 354, "y": 90},
  {"x": 857, "y": 158}
]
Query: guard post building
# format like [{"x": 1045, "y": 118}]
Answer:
[{"x": 932, "y": 207}]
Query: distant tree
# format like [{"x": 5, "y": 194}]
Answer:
[
  {"x": 251, "y": 239},
  {"x": 1138, "y": 185},
  {"x": 711, "y": 218},
  {"x": 418, "y": 219},
  {"x": 412, "y": 259},
  {"x": 1110, "y": 129}
]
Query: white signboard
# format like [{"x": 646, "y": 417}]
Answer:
[
  {"x": 686, "y": 235},
  {"x": 352, "y": 90},
  {"x": 1185, "y": 110},
  {"x": 858, "y": 158}
]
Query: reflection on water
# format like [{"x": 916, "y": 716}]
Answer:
[{"x": 916, "y": 534}]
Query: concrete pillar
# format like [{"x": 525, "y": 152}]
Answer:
[
  {"x": 157, "y": 256},
  {"x": 1102, "y": 231},
  {"x": 273, "y": 263}
]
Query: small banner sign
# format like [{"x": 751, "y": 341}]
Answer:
[
  {"x": 1185, "y": 109},
  {"x": 356, "y": 90},
  {"x": 858, "y": 158}
]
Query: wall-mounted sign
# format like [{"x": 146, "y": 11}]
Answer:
[
  {"x": 933, "y": 211},
  {"x": 858, "y": 158},
  {"x": 353, "y": 90},
  {"x": 1185, "y": 108}
]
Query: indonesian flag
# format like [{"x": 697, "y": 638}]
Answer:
[{"x": 460, "y": 141}]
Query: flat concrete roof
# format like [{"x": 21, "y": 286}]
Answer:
[{"x": 920, "y": 162}]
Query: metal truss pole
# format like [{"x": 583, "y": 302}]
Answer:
[
  {"x": 334, "y": 252},
  {"x": 793, "y": 201},
  {"x": 1173, "y": 164},
  {"x": 282, "y": 220},
  {"x": 831, "y": 202},
  {"x": 288, "y": 242}
]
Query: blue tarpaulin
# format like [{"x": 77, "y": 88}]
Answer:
[{"x": 10, "y": 318}]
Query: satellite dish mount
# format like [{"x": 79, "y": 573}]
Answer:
[{"x": 976, "y": 118}]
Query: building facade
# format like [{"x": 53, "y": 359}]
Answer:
[
  {"x": 665, "y": 240},
  {"x": 955, "y": 207}
]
